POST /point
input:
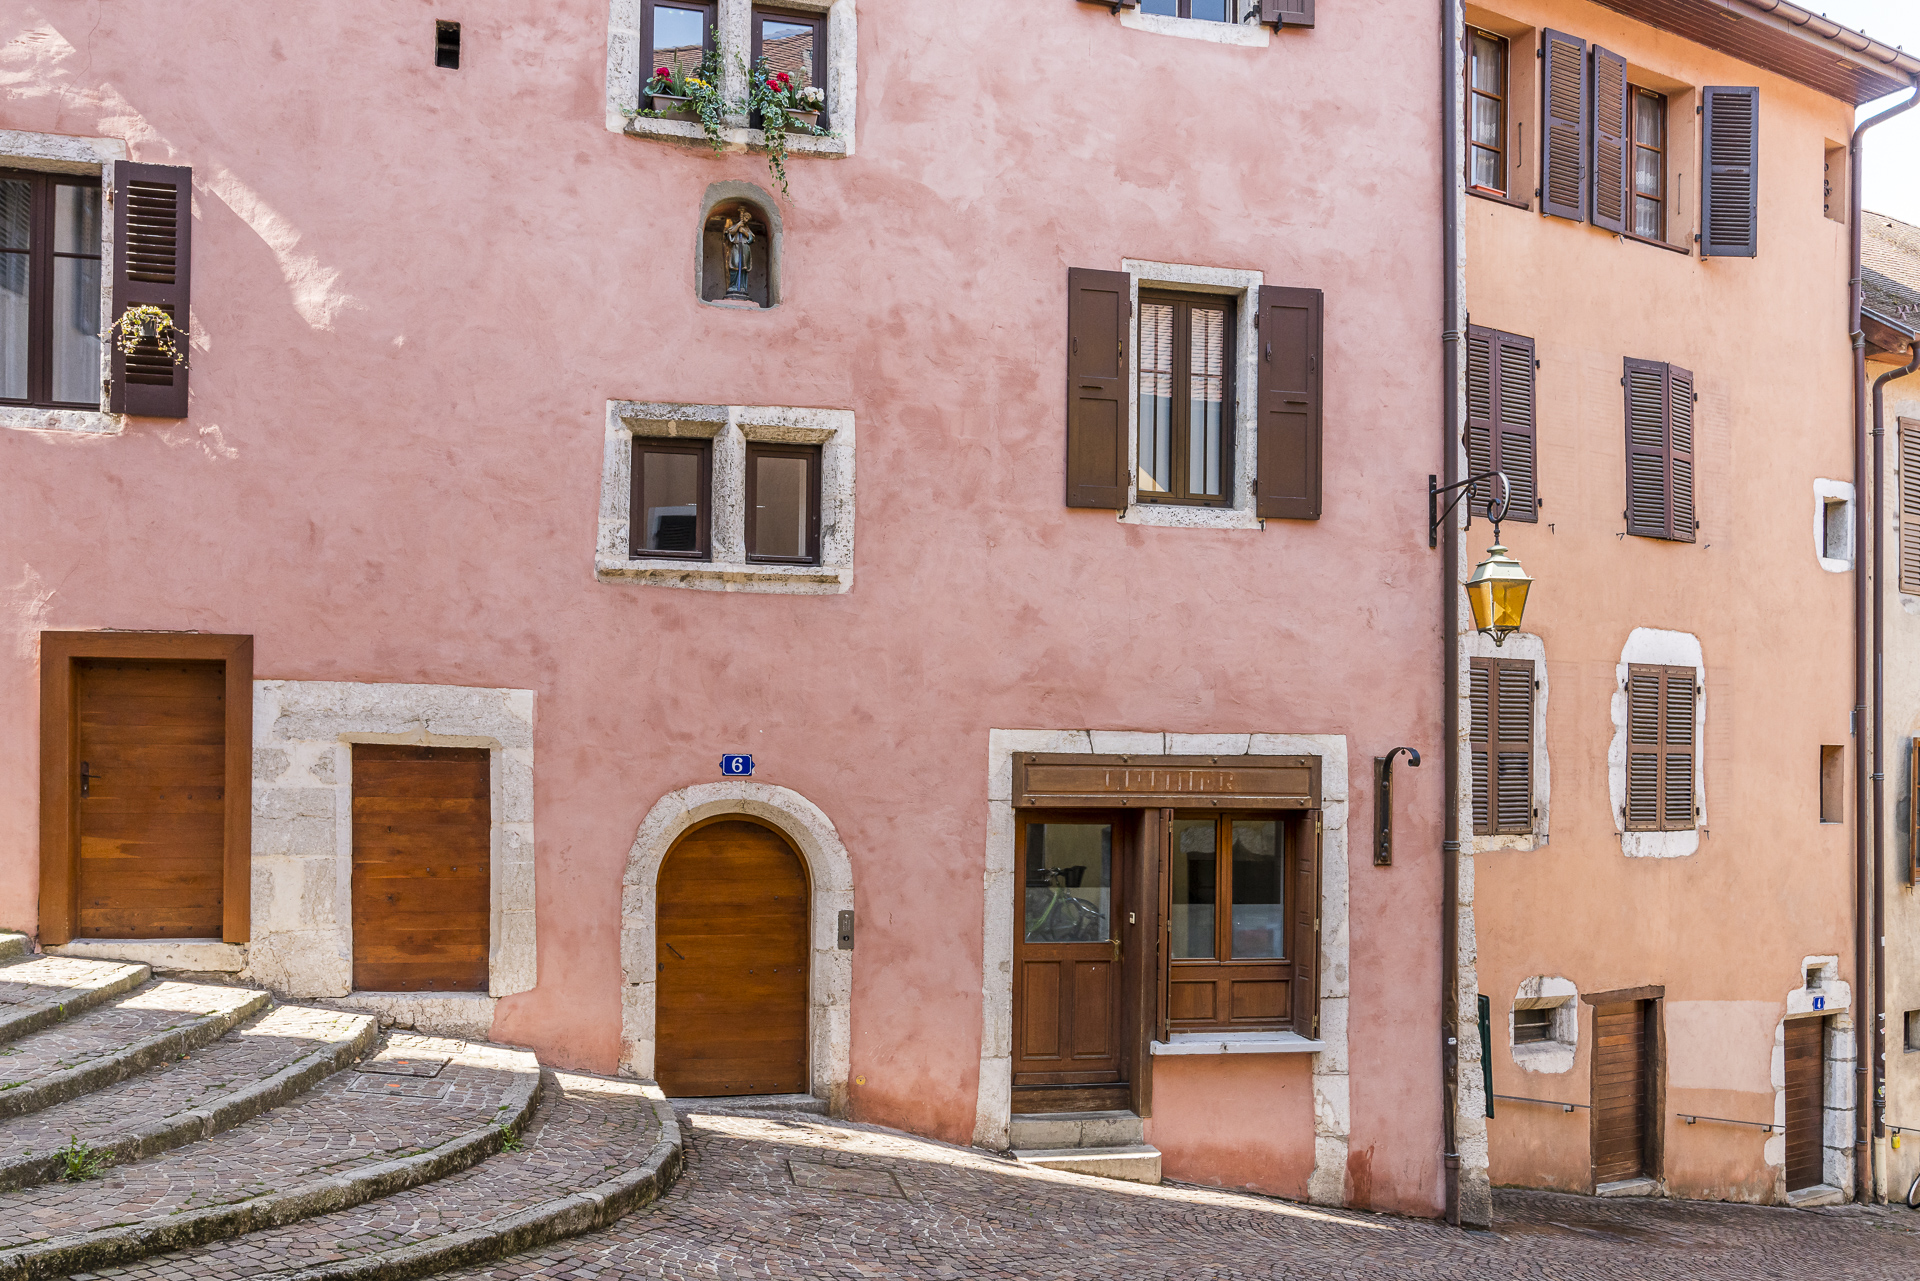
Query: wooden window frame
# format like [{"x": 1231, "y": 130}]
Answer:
[
  {"x": 1486, "y": 750},
  {"x": 1634, "y": 148},
  {"x": 40, "y": 256},
  {"x": 818, "y": 21},
  {"x": 59, "y": 743},
  {"x": 1544, "y": 1024},
  {"x": 710, "y": 8},
  {"x": 811, "y": 453},
  {"x": 1181, "y": 494},
  {"x": 1222, "y": 968},
  {"x": 1665, "y": 679},
  {"x": 1184, "y": 9},
  {"x": 703, "y": 521},
  {"x": 1504, "y": 98}
]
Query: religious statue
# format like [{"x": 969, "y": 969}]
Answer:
[{"x": 739, "y": 236}]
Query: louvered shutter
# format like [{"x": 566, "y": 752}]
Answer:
[
  {"x": 1680, "y": 454},
  {"x": 1647, "y": 486},
  {"x": 1287, "y": 13},
  {"x": 1305, "y": 943},
  {"x": 1563, "y": 161},
  {"x": 1643, "y": 748},
  {"x": 1099, "y": 318},
  {"x": 1287, "y": 438},
  {"x": 1910, "y": 515},
  {"x": 1730, "y": 194},
  {"x": 1514, "y": 450},
  {"x": 1676, "y": 749},
  {"x": 1610, "y": 172},
  {"x": 1512, "y": 746},
  {"x": 152, "y": 239},
  {"x": 1480, "y": 412},
  {"x": 1479, "y": 741}
]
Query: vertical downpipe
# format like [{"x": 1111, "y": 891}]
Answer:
[{"x": 1452, "y": 37}]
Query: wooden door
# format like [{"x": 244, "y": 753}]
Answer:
[
  {"x": 422, "y": 868},
  {"x": 1068, "y": 1052},
  {"x": 730, "y": 1013},
  {"x": 1806, "y": 1103},
  {"x": 1621, "y": 1094},
  {"x": 150, "y": 739}
]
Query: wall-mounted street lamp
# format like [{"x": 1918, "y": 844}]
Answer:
[{"x": 1497, "y": 591}]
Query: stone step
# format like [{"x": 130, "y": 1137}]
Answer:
[
  {"x": 274, "y": 1057},
  {"x": 46, "y": 990},
  {"x": 752, "y": 1104},
  {"x": 118, "y": 1039},
  {"x": 1134, "y": 1162},
  {"x": 1075, "y": 1130},
  {"x": 420, "y": 1110},
  {"x": 12, "y": 945},
  {"x": 597, "y": 1149}
]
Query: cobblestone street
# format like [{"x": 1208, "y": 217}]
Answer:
[{"x": 804, "y": 1197}]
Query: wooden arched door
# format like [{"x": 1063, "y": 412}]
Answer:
[{"x": 730, "y": 1013}]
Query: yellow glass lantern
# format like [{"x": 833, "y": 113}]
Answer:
[{"x": 1498, "y": 593}]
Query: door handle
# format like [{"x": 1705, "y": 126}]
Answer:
[{"x": 85, "y": 778}]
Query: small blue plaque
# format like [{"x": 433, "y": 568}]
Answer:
[
  {"x": 736, "y": 766},
  {"x": 1819, "y": 1002}
]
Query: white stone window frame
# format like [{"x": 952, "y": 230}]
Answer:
[
  {"x": 1244, "y": 288},
  {"x": 1247, "y": 34},
  {"x": 1837, "y": 1065},
  {"x": 1555, "y": 1055},
  {"x": 302, "y": 936},
  {"x": 731, "y": 428},
  {"x": 94, "y": 157},
  {"x": 1332, "y": 1102},
  {"x": 1671, "y": 649},
  {"x": 626, "y": 75},
  {"x": 1530, "y": 647},
  {"x": 1827, "y": 493}
]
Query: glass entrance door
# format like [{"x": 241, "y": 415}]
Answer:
[{"x": 1067, "y": 988}]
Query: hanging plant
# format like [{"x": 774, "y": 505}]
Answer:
[
  {"x": 698, "y": 91},
  {"x": 146, "y": 324},
  {"x": 778, "y": 100},
  {"x": 783, "y": 107}
]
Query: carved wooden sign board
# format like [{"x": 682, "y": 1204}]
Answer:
[{"x": 1043, "y": 781}]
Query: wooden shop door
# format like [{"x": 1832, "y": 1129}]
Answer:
[
  {"x": 1622, "y": 1094},
  {"x": 1068, "y": 1048},
  {"x": 1806, "y": 1103},
  {"x": 730, "y": 1012},
  {"x": 150, "y": 807},
  {"x": 422, "y": 868}
]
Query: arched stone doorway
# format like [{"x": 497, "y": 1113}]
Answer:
[{"x": 731, "y": 957}]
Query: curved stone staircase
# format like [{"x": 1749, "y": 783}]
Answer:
[{"x": 161, "y": 1129}]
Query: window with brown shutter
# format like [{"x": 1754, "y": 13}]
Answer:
[
  {"x": 1730, "y": 174},
  {"x": 1501, "y": 433},
  {"x": 1659, "y": 410},
  {"x": 1610, "y": 129},
  {"x": 1099, "y": 316},
  {"x": 1648, "y": 118},
  {"x": 152, "y": 236},
  {"x": 1563, "y": 140},
  {"x": 1500, "y": 695},
  {"x": 1661, "y": 749},
  {"x": 1185, "y": 398},
  {"x": 1486, "y": 111},
  {"x": 49, "y": 290},
  {"x": 1910, "y": 507},
  {"x": 1287, "y": 438},
  {"x": 1287, "y": 13}
]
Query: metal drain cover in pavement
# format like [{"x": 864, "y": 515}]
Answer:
[
  {"x": 835, "y": 1178},
  {"x": 404, "y": 1087},
  {"x": 405, "y": 1064}
]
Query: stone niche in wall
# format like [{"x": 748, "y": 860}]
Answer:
[{"x": 724, "y": 204}]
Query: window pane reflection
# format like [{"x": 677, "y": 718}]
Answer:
[
  {"x": 1259, "y": 918},
  {"x": 1487, "y": 77},
  {"x": 1192, "y": 869},
  {"x": 670, "y": 501},
  {"x": 76, "y": 220},
  {"x": 1069, "y": 882},
  {"x": 679, "y": 38},
  {"x": 1156, "y": 397},
  {"x": 1208, "y": 394},
  {"x": 16, "y": 199},
  {"x": 779, "y": 506},
  {"x": 788, "y": 47},
  {"x": 76, "y": 329}
]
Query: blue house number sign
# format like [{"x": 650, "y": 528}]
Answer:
[
  {"x": 1819, "y": 1002},
  {"x": 736, "y": 766}
]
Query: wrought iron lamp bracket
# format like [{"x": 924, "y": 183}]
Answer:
[{"x": 1469, "y": 486}]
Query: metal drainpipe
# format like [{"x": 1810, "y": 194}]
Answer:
[
  {"x": 1452, "y": 37},
  {"x": 1868, "y": 970}
]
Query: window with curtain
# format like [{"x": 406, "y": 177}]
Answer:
[
  {"x": 1487, "y": 111},
  {"x": 50, "y": 290},
  {"x": 1185, "y": 394},
  {"x": 1649, "y": 124}
]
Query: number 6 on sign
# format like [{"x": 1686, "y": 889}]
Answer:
[{"x": 736, "y": 766}]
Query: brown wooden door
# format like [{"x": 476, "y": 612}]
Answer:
[
  {"x": 1806, "y": 1103},
  {"x": 1066, "y": 985},
  {"x": 731, "y": 993},
  {"x": 421, "y": 868},
  {"x": 151, "y": 797},
  {"x": 1621, "y": 1094}
]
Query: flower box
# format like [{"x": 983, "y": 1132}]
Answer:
[
  {"x": 811, "y": 119},
  {"x": 673, "y": 108}
]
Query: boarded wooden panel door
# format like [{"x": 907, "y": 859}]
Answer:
[
  {"x": 151, "y": 800},
  {"x": 731, "y": 996},
  {"x": 1067, "y": 977},
  {"x": 421, "y": 868},
  {"x": 1806, "y": 1103},
  {"x": 1620, "y": 1091}
]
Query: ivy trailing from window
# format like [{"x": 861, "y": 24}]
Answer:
[{"x": 783, "y": 108}]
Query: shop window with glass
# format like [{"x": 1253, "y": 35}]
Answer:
[
  {"x": 1185, "y": 394},
  {"x": 1649, "y": 124},
  {"x": 1487, "y": 112},
  {"x": 1226, "y": 903},
  {"x": 671, "y": 498},
  {"x": 794, "y": 44},
  {"x": 676, "y": 35},
  {"x": 49, "y": 290}
]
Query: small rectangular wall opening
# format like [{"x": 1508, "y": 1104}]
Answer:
[
  {"x": 1833, "y": 792},
  {"x": 1837, "y": 530},
  {"x": 1913, "y": 1031},
  {"x": 446, "y": 45},
  {"x": 1834, "y": 196}
]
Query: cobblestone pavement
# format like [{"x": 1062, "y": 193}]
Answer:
[
  {"x": 805, "y": 1197},
  {"x": 587, "y": 1130},
  {"x": 141, "y": 1013},
  {"x": 50, "y": 980},
  {"x": 350, "y": 1119}
]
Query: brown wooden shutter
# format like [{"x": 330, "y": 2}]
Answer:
[
  {"x": 1563, "y": 160},
  {"x": 1680, "y": 401},
  {"x": 1910, "y": 512},
  {"x": 1661, "y": 747},
  {"x": 1611, "y": 173},
  {"x": 1913, "y": 810},
  {"x": 1287, "y": 447},
  {"x": 1287, "y": 13},
  {"x": 1512, "y": 726},
  {"x": 1647, "y": 484},
  {"x": 1730, "y": 183},
  {"x": 1099, "y": 321},
  {"x": 1514, "y": 450},
  {"x": 1305, "y": 944},
  {"x": 1643, "y": 747},
  {"x": 152, "y": 239},
  {"x": 1480, "y": 741},
  {"x": 1676, "y": 749},
  {"x": 1480, "y": 411}
]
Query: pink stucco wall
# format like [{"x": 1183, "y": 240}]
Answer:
[{"x": 415, "y": 290}]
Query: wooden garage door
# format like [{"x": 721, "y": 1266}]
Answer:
[
  {"x": 731, "y": 997},
  {"x": 421, "y": 868},
  {"x": 151, "y": 802},
  {"x": 1620, "y": 1091},
  {"x": 1806, "y": 1103}
]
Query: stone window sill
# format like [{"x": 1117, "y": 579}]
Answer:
[
  {"x": 1238, "y": 1043},
  {"x": 740, "y": 138},
  {"x": 83, "y": 422},
  {"x": 1246, "y": 35},
  {"x": 1182, "y": 516},
  {"x": 715, "y": 576}
]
